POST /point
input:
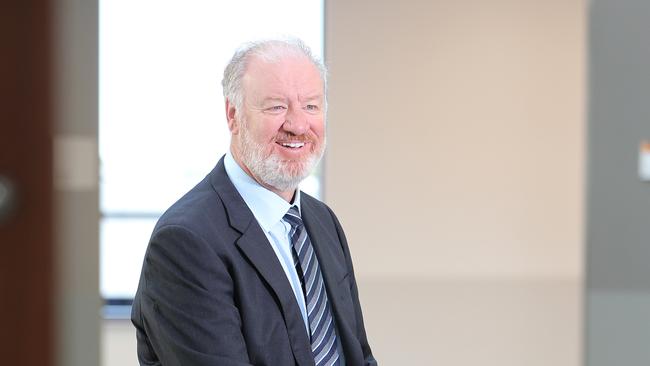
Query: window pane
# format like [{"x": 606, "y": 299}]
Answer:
[
  {"x": 123, "y": 242},
  {"x": 161, "y": 122}
]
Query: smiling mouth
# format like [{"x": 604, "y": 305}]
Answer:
[{"x": 292, "y": 145}]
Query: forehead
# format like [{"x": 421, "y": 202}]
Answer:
[{"x": 286, "y": 76}]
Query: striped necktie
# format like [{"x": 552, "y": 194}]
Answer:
[{"x": 324, "y": 345}]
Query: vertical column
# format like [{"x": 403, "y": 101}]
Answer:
[
  {"x": 618, "y": 208},
  {"x": 76, "y": 189}
]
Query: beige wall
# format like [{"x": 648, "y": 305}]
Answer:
[
  {"x": 457, "y": 136},
  {"x": 455, "y": 163}
]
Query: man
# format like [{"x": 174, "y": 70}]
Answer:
[{"x": 245, "y": 269}]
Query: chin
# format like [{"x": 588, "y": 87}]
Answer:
[
  {"x": 274, "y": 170},
  {"x": 284, "y": 175},
  {"x": 294, "y": 169}
]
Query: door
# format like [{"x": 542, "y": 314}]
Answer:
[{"x": 26, "y": 249}]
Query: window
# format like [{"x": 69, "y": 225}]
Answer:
[{"x": 161, "y": 114}]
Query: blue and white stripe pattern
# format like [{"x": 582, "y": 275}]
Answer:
[{"x": 324, "y": 345}]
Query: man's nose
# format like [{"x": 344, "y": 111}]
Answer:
[{"x": 296, "y": 122}]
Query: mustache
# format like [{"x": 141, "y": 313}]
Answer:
[{"x": 307, "y": 137}]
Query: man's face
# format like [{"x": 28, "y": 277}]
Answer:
[{"x": 279, "y": 134}]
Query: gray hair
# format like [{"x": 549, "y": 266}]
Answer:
[{"x": 270, "y": 50}]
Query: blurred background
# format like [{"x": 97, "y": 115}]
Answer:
[{"x": 489, "y": 161}]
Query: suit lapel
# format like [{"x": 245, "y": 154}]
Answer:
[
  {"x": 326, "y": 249},
  {"x": 332, "y": 265},
  {"x": 254, "y": 245}
]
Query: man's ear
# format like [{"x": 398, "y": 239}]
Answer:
[{"x": 231, "y": 112}]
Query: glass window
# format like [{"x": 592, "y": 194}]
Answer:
[{"x": 161, "y": 113}]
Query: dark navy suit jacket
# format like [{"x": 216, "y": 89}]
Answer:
[{"x": 212, "y": 291}]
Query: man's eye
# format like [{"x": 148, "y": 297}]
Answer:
[
  {"x": 277, "y": 108},
  {"x": 311, "y": 107}
]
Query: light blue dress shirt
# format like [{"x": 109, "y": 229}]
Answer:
[{"x": 269, "y": 210}]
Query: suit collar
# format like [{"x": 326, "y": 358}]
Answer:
[
  {"x": 267, "y": 206},
  {"x": 239, "y": 216}
]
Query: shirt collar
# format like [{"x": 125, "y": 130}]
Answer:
[{"x": 267, "y": 207}]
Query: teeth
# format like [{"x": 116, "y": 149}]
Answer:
[{"x": 293, "y": 144}]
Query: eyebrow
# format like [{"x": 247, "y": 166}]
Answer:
[
  {"x": 312, "y": 97},
  {"x": 318, "y": 98},
  {"x": 309, "y": 98},
  {"x": 274, "y": 99}
]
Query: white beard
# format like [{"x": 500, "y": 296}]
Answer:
[{"x": 280, "y": 174}]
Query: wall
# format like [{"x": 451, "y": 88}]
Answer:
[
  {"x": 618, "y": 234},
  {"x": 75, "y": 178},
  {"x": 468, "y": 118},
  {"x": 455, "y": 162}
]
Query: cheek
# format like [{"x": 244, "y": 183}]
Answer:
[
  {"x": 266, "y": 129},
  {"x": 319, "y": 129},
  {"x": 271, "y": 130}
]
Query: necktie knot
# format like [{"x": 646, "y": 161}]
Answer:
[{"x": 293, "y": 217}]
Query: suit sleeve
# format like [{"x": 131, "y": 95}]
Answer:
[
  {"x": 369, "y": 359},
  {"x": 185, "y": 312}
]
